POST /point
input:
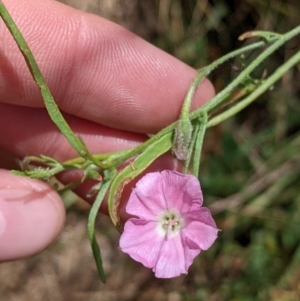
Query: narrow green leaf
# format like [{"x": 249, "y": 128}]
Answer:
[
  {"x": 140, "y": 163},
  {"x": 91, "y": 224},
  {"x": 271, "y": 80},
  {"x": 50, "y": 104}
]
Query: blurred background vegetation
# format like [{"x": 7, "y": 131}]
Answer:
[{"x": 250, "y": 173}]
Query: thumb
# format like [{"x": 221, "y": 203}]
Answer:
[{"x": 31, "y": 216}]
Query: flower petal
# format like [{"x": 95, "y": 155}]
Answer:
[
  {"x": 189, "y": 253},
  {"x": 182, "y": 192},
  {"x": 202, "y": 214},
  {"x": 147, "y": 199},
  {"x": 200, "y": 229},
  {"x": 157, "y": 200},
  {"x": 141, "y": 241},
  {"x": 171, "y": 259}
]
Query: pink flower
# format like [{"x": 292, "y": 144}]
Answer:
[{"x": 170, "y": 228}]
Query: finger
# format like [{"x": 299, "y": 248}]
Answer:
[
  {"x": 31, "y": 216},
  {"x": 29, "y": 131},
  {"x": 33, "y": 133},
  {"x": 96, "y": 69}
]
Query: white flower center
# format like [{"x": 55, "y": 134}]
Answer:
[{"x": 169, "y": 223}]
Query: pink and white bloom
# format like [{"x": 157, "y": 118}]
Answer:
[{"x": 169, "y": 228}]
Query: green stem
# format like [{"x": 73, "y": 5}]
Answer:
[
  {"x": 256, "y": 93},
  {"x": 233, "y": 54},
  {"x": 199, "y": 143},
  {"x": 50, "y": 104},
  {"x": 191, "y": 148},
  {"x": 220, "y": 96},
  {"x": 101, "y": 157},
  {"x": 217, "y": 100},
  {"x": 117, "y": 158},
  {"x": 184, "y": 129}
]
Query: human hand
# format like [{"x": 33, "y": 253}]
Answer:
[{"x": 113, "y": 88}]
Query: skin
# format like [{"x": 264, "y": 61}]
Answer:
[{"x": 113, "y": 88}]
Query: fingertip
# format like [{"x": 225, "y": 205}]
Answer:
[{"x": 32, "y": 216}]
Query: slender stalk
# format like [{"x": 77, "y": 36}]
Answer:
[
  {"x": 218, "y": 99},
  {"x": 187, "y": 162},
  {"x": 184, "y": 128},
  {"x": 199, "y": 143},
  {"x": 99, "y": 157},
  {"x": 50, "y": 104},
  {"x": 115, "y": 159},
  {"x": 209, "y": 106},
  {"x": 269, "y": 82}
]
